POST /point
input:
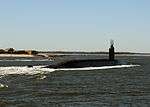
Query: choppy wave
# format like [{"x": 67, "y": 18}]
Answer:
[
  {"x": 23, "y": 70},
  {"x": 3, "y": 86},
  {"x": 39, "y": 69}
]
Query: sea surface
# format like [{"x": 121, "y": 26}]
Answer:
[{"x": 126, "y": 85}]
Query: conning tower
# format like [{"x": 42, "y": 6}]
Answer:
[{"x": 111, "y": 51}]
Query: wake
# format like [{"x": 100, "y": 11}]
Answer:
[{"x": 40, "y": 70}]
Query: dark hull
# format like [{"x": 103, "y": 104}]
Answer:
[{"x": 84, "y": 63}]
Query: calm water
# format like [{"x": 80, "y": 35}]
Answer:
[{"x": 124, "y": 86}]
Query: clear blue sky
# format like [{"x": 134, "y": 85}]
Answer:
[{"x": 75, "y": 25}]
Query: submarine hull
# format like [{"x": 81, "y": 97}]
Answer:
[{"x": 84, "y": 63}]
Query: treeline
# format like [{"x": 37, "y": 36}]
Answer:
[{"x": 13, "y": 51}]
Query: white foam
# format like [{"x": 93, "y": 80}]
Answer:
[
  {"x": 42, "y": 77},
  {"x": 23, "y": 70},
  {"x": 3, "y": 86},
  {"x": 98, "y": 68},
  {"x": 39, "y": 69}
]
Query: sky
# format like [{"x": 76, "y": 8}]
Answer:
[{"x": 75, "y": 25}]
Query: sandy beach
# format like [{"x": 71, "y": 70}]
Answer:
[{"x": 15, "y": 55}]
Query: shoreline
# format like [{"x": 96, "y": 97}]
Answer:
[{"x": 16, "y": 55}]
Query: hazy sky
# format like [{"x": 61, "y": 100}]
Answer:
[{"x": 75, "y": 25}]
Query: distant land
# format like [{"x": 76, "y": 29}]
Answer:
[
  {"x": 16, "y": 52},
  {"x": 12, "y": 51},
  {"x": 84, "y": 52}
]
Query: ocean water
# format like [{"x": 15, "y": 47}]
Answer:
[{"x": 126, "y": 85}]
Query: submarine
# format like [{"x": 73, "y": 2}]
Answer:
[{"x": 82, "y": 63}]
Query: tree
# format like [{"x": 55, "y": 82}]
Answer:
[
  {"x": 34, "y": 52},
  {"x": 11, "y": 50}
]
